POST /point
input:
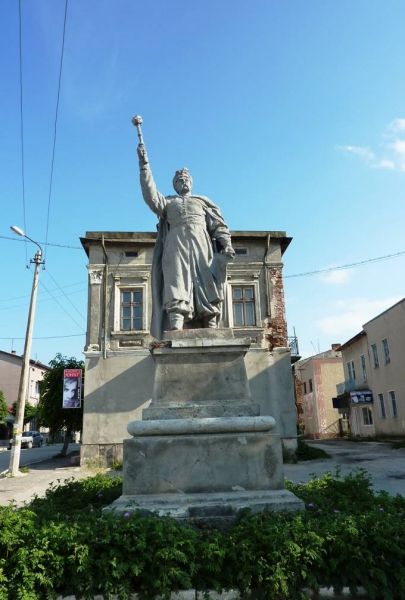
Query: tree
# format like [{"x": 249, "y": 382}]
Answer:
[
  {"x": 30, "y": 411},
  {"x": 50, "y": 411},
  {"x": 3, "y": 408}
]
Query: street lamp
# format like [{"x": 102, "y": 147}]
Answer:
[{"x": 23, "y": 387}]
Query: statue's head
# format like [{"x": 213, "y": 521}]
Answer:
[{"x": 182, "y": 182}]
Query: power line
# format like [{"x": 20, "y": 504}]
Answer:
[
  {"x": 60, "y": 305},
  {"x": 15, "y": 239},
  {"x": 65, "y": 295},
  {"x": 46, "y": 337},
  {"x": 55, "y": 123},
  {"x": 348, "y": 266},
  {"x": 22, "y": 130},
  {"x": 40, "y": 300},
  {"x": 29, "y": 295}
]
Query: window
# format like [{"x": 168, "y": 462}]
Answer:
[
  {"x": 305, "y": 387},
  {"x": 375, "y": 356},
  {"x": 241, "y": 251},
  {"x": 367, "y": 416},
  {"x": 363, "y": 367},
  {"x": 350, "y": 370},
  {"x": 311, "y": 389},
  {"x": 382, "y": 406},
  {"x": 243, "y": 301},
  {"x": 131, "y": 312},
  {"x": 386, "y": 351},
  {"x": 35, "y": 388},
  {"x": 394, "y": 409}
]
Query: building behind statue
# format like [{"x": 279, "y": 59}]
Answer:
[{"x": 119, "y": 367}]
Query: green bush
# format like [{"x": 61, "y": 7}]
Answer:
[{"x": 64, "y": 544}]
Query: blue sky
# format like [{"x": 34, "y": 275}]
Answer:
[{"x": 290, "y": 116}]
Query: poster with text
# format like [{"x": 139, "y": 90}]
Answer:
[{"x": 72, "y": 388}]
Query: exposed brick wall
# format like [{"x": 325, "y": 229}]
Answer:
[
  {"x": 299, "y": 403},
  {"x": 277, "y": 326}
]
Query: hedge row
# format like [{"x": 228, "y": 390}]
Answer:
[{"x": 62, "y": 544}]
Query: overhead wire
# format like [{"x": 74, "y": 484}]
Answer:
[
  {"x": 15, "y": 239},
  {"x": 39, "y": 293},
  {"x": 55, "y": 124},
  {"x": 22, "y": 130},
  {"x": 46, "y": 337},
  {"x": 347, "y": 266},
  {"x": 40, "y": 300},
  {"x": 65, "y": 295},
  {"x": 61, "y": 305}
]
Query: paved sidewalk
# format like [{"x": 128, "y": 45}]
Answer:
[
  {"x": 40, "y": 476},
  {"x": 385, "y": 465}
]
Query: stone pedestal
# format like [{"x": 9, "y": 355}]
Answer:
[
  {"x": 200, "y": 373},
  {"x": 202, "y": 451}
]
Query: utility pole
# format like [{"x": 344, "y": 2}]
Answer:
[{"x": 25, "y": 371}]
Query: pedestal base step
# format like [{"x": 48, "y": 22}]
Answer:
[{"x": 210, "y": 508}]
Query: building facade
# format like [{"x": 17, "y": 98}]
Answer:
[
  {"x": 374, "y": 376},
  {"x": 316, "y": 378},
  {"x": 119, "y": 365},
  {"x": 10, "y": 373}
]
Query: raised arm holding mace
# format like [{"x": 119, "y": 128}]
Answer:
[{"x": 192, "y": 250}]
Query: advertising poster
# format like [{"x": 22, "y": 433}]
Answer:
[{"x": 72, "y": 388}]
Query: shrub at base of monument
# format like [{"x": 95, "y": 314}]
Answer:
[
  {"x": 63, "y": 544},
  {"x": 303, "y": 452}
]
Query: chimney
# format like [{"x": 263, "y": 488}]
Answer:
[
  {"x": 13, "y": 351},
  {"x": 336, "y": 346}
]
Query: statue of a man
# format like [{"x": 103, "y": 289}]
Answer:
[{"x": 192, "y": 249}]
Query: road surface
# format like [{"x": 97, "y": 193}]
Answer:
[{"x": 30, "y": 456}]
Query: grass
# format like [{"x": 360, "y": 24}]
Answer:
[
  {"x": 398, "y": 444},
  {"x": 307, "y": 452}
]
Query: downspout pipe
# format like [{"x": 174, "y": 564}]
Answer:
[
  {"x": 267, "y": 282},
  {"x": 104, "y": 322}
]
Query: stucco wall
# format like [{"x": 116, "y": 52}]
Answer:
[
  {"x": 391, "y": 326},
  {"x": 326, "y": 371},
  {"x": 116, "y": 391},
  {"x": 331, "y": 373},
  {"x": 119, "y": 367},
  {"x": 271, "y": 385},
  {"x": 118, "y": 388},
  {"x": 10, "y": 372}
]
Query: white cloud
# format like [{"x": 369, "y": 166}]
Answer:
[
  {"x": 392, "y": 155},
  {"x": 337, "y": 277},
  {"x": 351, "y": 314},
  {"x": 361, "y": 151},
  {"x": 397, "y": 125},
  {"x": 385, "y": 163},
  {"x": 399, "y": 147}
]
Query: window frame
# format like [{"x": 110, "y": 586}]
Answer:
[
  {"x": 394, "y": 405},
  {"x": 376, "y": 360},
  {"x": 386, "y": 351},
  {"x": 241, "y": 251},
  {"x": 132, "y": 305},
  {"x": 383, "y": 412},
  {"x": 351, "y": 370},
  {"x": 243, "y": 283},
  {"x": 133, "y": 285},
  {"x": 363, "y": 367},
  {"x": 365, "y": 410}
]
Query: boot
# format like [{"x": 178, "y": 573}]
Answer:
[
  {"x": 211, "y": 322},
  {"x": 176, "y": 320}
]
